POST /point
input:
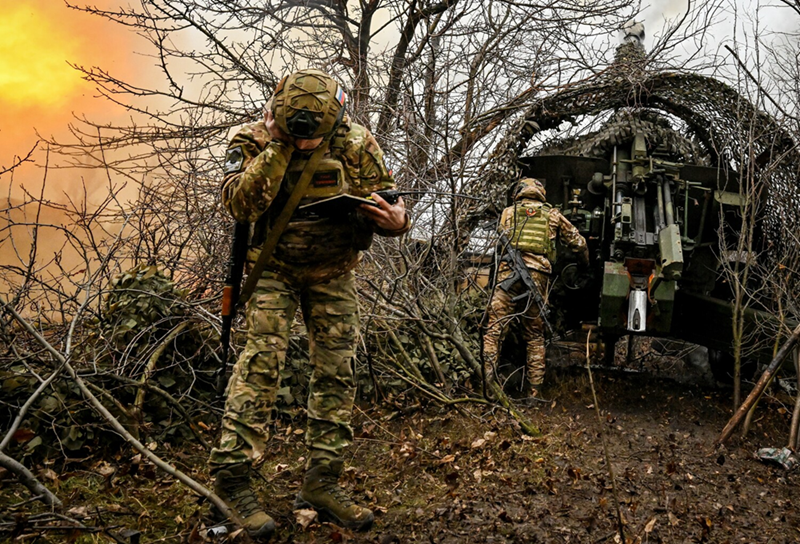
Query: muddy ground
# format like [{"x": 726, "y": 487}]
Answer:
[{"x": 440, "y": 475}]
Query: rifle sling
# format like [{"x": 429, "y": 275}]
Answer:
[{"x": 282, "y": 221}]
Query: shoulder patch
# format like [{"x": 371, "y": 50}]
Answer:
[{"x": 234, "y": 158}]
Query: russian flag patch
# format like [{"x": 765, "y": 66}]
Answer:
[{"x": 340, "y": 96}]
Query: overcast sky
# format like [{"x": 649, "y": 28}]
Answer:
[{"x": 773, "y": 15}]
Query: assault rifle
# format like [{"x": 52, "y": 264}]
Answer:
[
  {"x": 519, "y": 273},
  {"x": 341, "y": 204},
  {"x": 230, "y": 297},
  {"x": 391, "y": 195}
]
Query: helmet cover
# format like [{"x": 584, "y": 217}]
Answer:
[
  {"x": 308, "y": 104},
  {"x": 531, "y": 188}
]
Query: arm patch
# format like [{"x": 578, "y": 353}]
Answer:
[{"x": 234, "y": 158}]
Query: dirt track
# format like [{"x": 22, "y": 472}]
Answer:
[
  {"x": 440, "y": 477},
  {"x": 436, "y": 475}
]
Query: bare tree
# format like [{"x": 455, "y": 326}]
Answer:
[{"x": 454, "y": 90}]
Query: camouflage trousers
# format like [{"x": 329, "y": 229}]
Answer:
[
  {"x": 502, "y": 313},
  {"x": 330, "y": 312}
]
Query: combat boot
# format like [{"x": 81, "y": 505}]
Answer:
[
  {"x": 232, "y": 485},
  {"x": 321, "y": 492}
]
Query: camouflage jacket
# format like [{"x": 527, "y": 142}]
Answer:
[
  {"x": 254, "y": 191},
  {"x": 559, "y": 226}
]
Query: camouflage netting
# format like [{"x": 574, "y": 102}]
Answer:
[
  {"x": 621, "y": 128},
  {"x": 146, "y": 334},
  {"x": 140, "y": 299},
  {"x": 721, "y": 126}
]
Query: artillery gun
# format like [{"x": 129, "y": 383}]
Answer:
[
  {"x": 651, "y": 222},
  {"x": 656, "y": 192}
]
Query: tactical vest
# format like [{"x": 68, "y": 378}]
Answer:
[
  {"x": 309, "y": 240},
  {"x": 531, "y": 230}
]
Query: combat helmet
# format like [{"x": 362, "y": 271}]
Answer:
[
  {"x": 530, "y": 188},
  {"x": 308, "y": 104}
]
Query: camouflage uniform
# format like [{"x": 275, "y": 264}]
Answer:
[
  {"x": 501, "y": 310},
  {"x": 311, "y": 268}
]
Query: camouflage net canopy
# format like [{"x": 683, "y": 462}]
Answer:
[
  {"x": 621, "y": 128},
  {"x": 721, "y": 128},
  {"x": 145, "y": 335},
  {"x": 141, "y": 304},
  {"x": 146, "y": 328}
]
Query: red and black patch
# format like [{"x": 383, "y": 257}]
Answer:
[{"x": 326, "y": 179}]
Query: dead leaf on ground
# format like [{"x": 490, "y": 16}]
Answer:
[
  {"x": 194, "y": 536},
  {"x": 79, "y": 512},
  {"x": 574, "y": 473},
  {"x": 478, "y": 443},
  {"x": 650, "y": 525},
  {"x": 105, "y": 469},
  {"x": 673, "y": 519},
  {"x": 305, "y": 517},
  {"x": 23, "y": 435},
  {"x": 49, "y": 474}
]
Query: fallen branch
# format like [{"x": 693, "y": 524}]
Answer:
[
  {"x": 794, "y": 439},
  {"x": 497, "y": 391},
  {"x": 436, "y": 394},
  {"x": 119, "y": 428},
  {"x": 22, "y": 411},
  {"x": 413, "y": 367},
  {"x": 175, "y": 403},
  {"x": 427, "y": 345},
  {"x": 151, "y": 366},
  {"x": 765, "y": 378},
  {"x": 27, "y": 479}
]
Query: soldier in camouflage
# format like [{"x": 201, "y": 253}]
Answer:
[
  {"x": 532, "y": 226},
  {"x": 311, "y": 269}
]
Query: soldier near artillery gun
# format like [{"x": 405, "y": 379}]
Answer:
[
  {"x": 304, "y": 150},
  {"x": 531, "y": 227}
]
